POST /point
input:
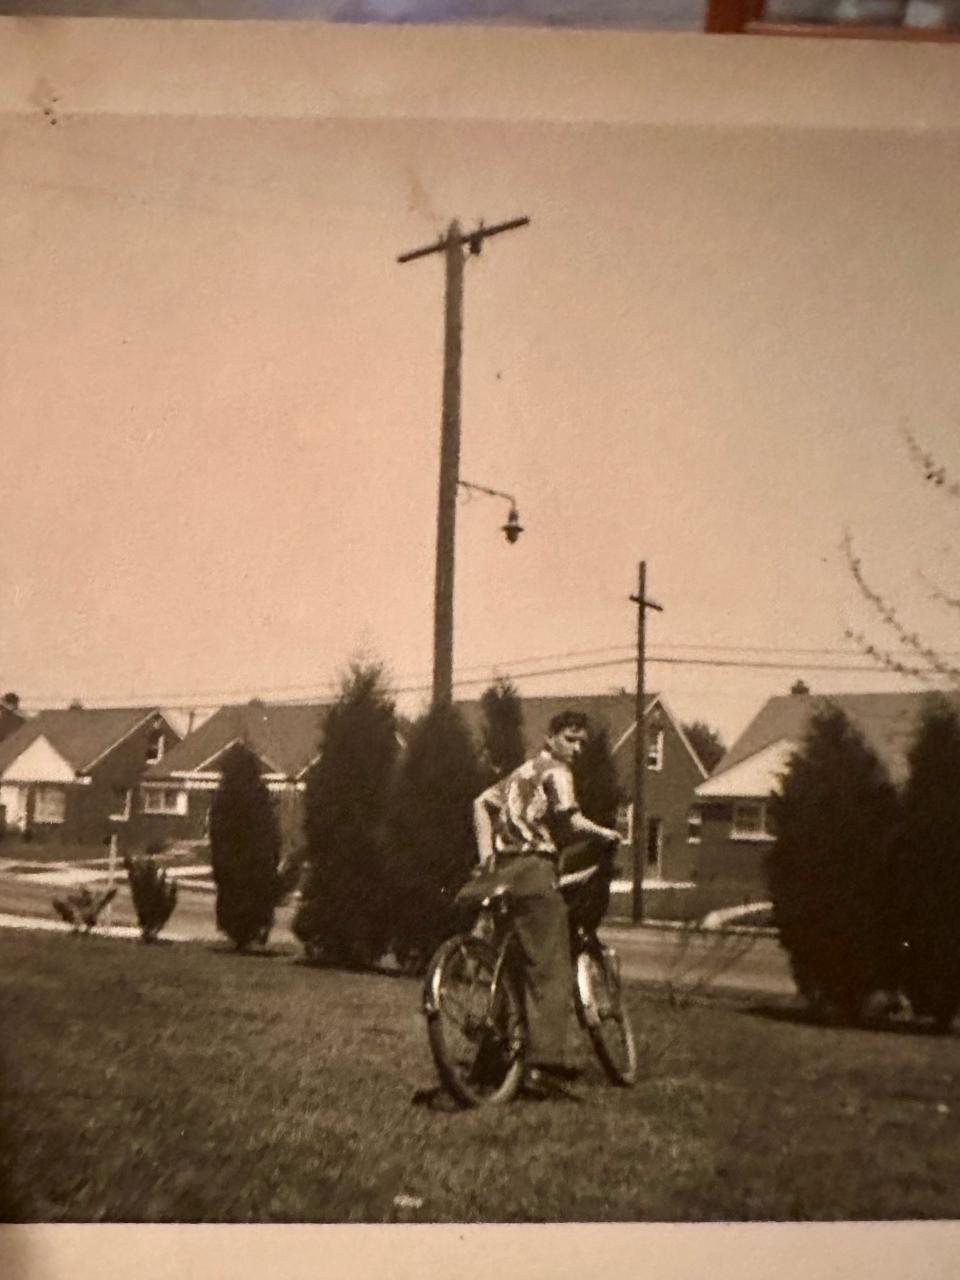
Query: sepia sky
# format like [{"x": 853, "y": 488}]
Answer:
[{"x": 221, "y": 393}]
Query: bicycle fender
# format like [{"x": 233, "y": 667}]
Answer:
[{"x": 588, "y": 1006}]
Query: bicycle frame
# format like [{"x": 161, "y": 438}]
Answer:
[{"x": 498, "y": 979}]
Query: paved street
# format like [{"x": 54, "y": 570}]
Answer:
[
  {"x": 688, "y": 961},
  {"x": 709, "y": 961}
]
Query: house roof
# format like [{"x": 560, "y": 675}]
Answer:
[
  {"x": 888, "y": 722},
  {"x": 613, "y": 710},
  {"x": 81, "y": 735},
  {"x": 752, "y": 777},
  {"x": 285, "y": 737}
]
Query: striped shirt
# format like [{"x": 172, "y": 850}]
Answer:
[{"x": 533, "y": 803}]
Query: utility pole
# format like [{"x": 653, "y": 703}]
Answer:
[
  {"x": 452, "y": 245},
  {"x": 640, "y": 746},
  {"x": 111, "y": 875}
]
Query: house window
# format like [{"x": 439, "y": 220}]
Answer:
[
  {"x": 164, "y": 800},
  {"x": 694, "y": 826},
  {"x": 655, "y": 848},
  {"x": 750, "y": 821},
  {"x": 155, "y": 746},
  {"x": 122, "y": 797},
  {"x": 655, "y": 749},
  {"x": 50, "y": 805},
  {"x": 624, "y": 823}
]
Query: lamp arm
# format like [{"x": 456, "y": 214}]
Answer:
[{"x": 493, "y": 493}]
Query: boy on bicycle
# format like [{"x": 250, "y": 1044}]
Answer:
[{"x": 529, "y": 823}]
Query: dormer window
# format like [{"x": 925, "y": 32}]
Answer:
[{"x": 155, "y": 746}]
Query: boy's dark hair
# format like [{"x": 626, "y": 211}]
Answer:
[{"x": 568, "y": 719}]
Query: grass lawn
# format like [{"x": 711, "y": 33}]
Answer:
[
  {"x": 44, "y": 851},
  {"x": 188, "y": 1083}
]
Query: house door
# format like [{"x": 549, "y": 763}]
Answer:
[
  {"x": 14, "y": 800},
  {"x": 655, "y": 848}
]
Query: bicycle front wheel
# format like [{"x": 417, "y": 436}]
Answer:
[
  {"x": 602, "y": 1013},
  {"x": 474, "y": 1023}
]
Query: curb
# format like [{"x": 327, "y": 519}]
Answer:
[{"x": 39, "y": 924}]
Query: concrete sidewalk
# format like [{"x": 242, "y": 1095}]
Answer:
[{"x": 41, "y": 925}]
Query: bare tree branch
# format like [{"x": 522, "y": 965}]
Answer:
[
  {"x": 933, "y": 471},
  {"x": 934, "y": 663},
  {"x": 937, "y": 592},
  {"x": 883, "y": 658}
]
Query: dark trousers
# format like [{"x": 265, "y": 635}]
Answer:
[{"x": 543, "y": 931}]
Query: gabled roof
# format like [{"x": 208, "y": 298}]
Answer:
[
  {"x": 81, "y": 735},
  {"x": 284, "y": 737},
  {"x": 753, "y": 778},
  {"x": 613, "y": 710},
  {"x": 888, "y": 722}
]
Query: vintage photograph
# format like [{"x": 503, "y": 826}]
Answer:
[{"x": 480, "y": 715}]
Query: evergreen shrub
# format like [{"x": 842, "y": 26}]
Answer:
[
  {"x": 344, "y": 914},
  {"x": 832, "y": 871},
  {"x": 244, "y": 850}
]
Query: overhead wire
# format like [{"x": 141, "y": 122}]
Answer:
[{"x": 319, "y": 691}]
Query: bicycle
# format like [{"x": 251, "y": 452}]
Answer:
[{"x": 472, "y": 993}]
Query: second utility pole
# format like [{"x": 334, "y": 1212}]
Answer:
[
  {"x": 452, "y": 246},
  {"x": 640, "y": 747}
]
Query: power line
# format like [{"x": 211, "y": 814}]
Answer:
[
  {"x": 688, "y": 662},
  {"x": 319, "y": 693},
  {"x": 508, "y": 669}
]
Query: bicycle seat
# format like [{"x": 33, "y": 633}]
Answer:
[
  {"x": 481, "y": 889},
  {"x": 569, "y": 879}
]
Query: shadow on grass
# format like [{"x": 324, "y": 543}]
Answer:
[
  {"x": 802, "y": 1015},
  {"x": 381, "y": 969},
  {"x": 248, "y": 953},
  {"x": 435, "y": 1098}
]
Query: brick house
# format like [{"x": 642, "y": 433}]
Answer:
[
  {"x": 731, "y": 808},
  {"x": 69, "y": 776},
  {"x": 176, "y": 793},
  {"x": 673, "y": 772}
]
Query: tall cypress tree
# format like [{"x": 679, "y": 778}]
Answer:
[
  {"x": 600, "y": 795},
  {"x": 501, "y": 735},
  {"x": 929, "y": 866},
  {"x": 343, "y": 915},
  {"x": 707, "y": 743},
  {"x": 432, "y": 831},
  {"x": 595, "y": 777},
  {"x": 245, "y": 850},
  {"x": 831, "y": 868}
]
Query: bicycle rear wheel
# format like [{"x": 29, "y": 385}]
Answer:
[
  {"x": 474, "y": 1023},
  {"x": 602, "y": 1013}
]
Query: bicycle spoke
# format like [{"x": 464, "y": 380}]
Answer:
[
  {"x": 476, "y": 1033},
  {"x": 606, "y": 1020}
]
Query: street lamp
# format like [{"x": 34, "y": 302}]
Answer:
[{"x": 513, "y": 528}]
